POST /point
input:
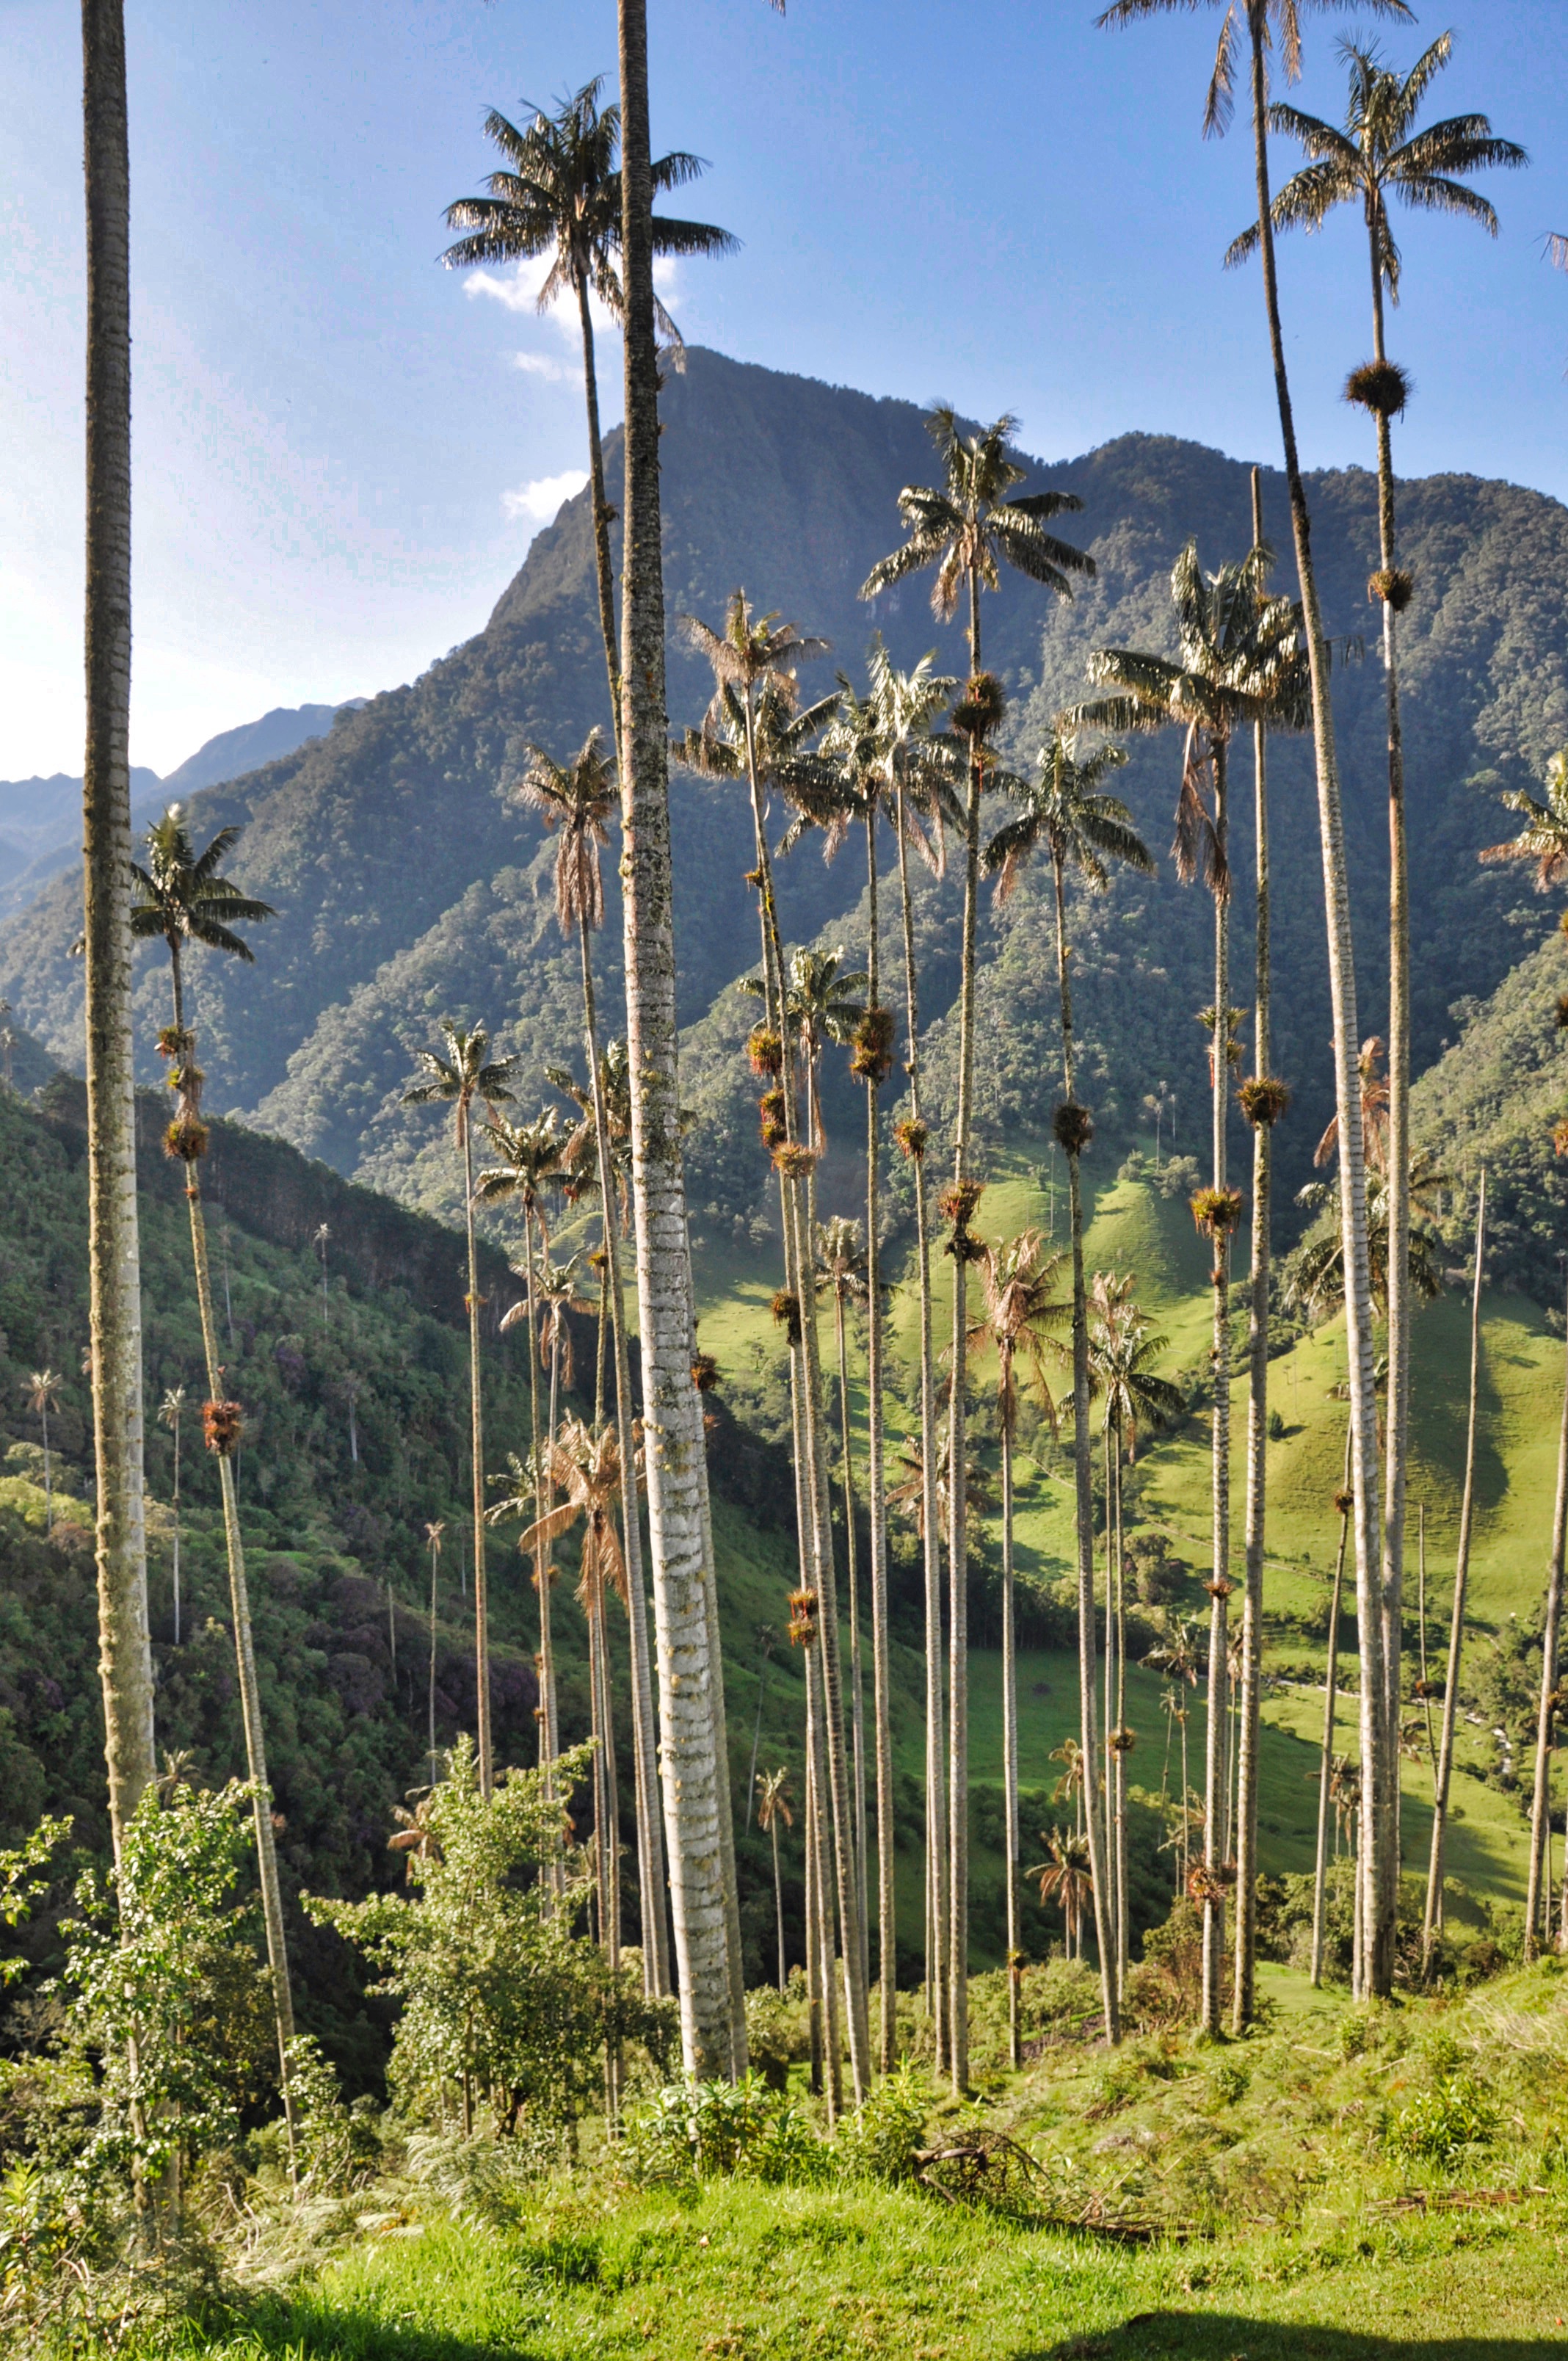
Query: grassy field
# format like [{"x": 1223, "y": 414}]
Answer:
[{"x": 1261, "y": 2199}]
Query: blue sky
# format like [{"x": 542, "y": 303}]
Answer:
[{"x": 343, "y": 451}]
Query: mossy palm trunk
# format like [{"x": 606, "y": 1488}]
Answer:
[
  {"x": 476, "y": 1450},
  {"x": 930, "y": 1520},
  {"x": 1378, "y": 1815},
  {"x": 1433, "y": 1919},
  {"x": 125, "y": 1649},
  {"x": 1083, "y": 1494},
  {"x": 1537, "y": 1897},
  {"x": 1010, "y": 1724},
  {"x": 239, "y": 1602},
  {"x": 1325, "y": 1773},
  {"x": 696, "y": 1780},
  {"x": 1244, "y": 1975},
  {"x": 882, "y": 1707},
  {"x": 644, "y": 1751},
  {"x": 1215, "y": 1783}
]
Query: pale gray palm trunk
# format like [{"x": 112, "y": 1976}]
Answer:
[
  {"x": 1009, "y": 1726},
  {"x": 1119, "y": 1822},
  {"x": 930, "y": 1520},
  {"x": 851, "y": 1576},
  {"x": 1244, "y": 1974},
  {"x": 644, "y": 1756},
  {"x": 1432, "y": 1918},
  {"x": 881, "y": 1708},
  {"x": 1398, "y": 1413},
  {"x": 1083, "y": 1501},
  {"x": 696, "y": 1778},
  {"x": 1331, "y": 1692},
  {"x": 124, "y": 1647},
  {"x": 1378, "y": 1816},
  {"x": 1539, "y": 1894},
  {"x": 604, "y": 576},
  {"x": 1215, "y": 1785},
  {"x": 244, "y": 1644},
  {"x": 476, "y": 1450}
]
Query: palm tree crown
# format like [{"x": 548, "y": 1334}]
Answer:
[
  {"x": 560, "y": 196},
  {"x": 578, "y": 799},
  {"x": 1379, "y": 155},
  {"x": 467, "y": 1072},
  {"x": 1022, "y": 1309},
  {"x": 965, "y": 524},
  {"x": 1122, "y": 1346},
  {"x": 1280, "y": 18},
  {"x": 1241, "y": 658},
  {"x": 182, "y": 896},
  {"x": 1543, "y": 839},
  {"x": 1064, "y": 812}
]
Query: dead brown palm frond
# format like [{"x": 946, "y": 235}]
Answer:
[
  {"x": 583, "y": 1463},
  {"x": 1374, "y": 1112}
]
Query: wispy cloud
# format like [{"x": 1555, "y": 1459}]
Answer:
[
  {"x": 539, "y": 502},
  {"x": 517, "y": 288},
  {"x": 539, "y": 365}
]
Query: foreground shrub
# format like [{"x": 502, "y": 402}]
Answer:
[{"x": 1439, "y": 2126}]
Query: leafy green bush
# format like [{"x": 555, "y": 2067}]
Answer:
[
  {"x": 1440, "y": 2125},
  {"x": 880, "y": 2140}
]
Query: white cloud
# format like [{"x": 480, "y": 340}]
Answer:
[
  {"x": 539, "y": 502},
  {"x": 539, "y": 365},
  {"x": 518, "y": 289}
]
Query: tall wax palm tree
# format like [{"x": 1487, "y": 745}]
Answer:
[
  {"x": 1068, "y": 1880},
  {"x": 585, "y": 1465},
  {"x": 1259, "y": 24},
  {"x": 170, "y": 1413},
  {"x": 1020, "y": 1279},
  {"x": 1238, "y": 664},
  {"x": 925, "y": 806},
  {"x": 181, "y": 898},
  {"x": 1064, "y": 813},
  {"x": 1433, "y": 1919},
  {"x": 42, "y": 1392},
  {"x": 433, "y": 1533},
  {"x": 553, "y": 1295},
  {"x": 748, "y": 733},
  {"x": 773, "y": 1805},
  {"x": 466, "y": 1074},
  {"x": 692, "y": 1759},
  {"x": 578, "y": 800},
  {"x": 1379, "y": 158},
  {"x": 840, "y": 1270},
  {"x": 1123, "y": 1348},
  {"x": 560, "y": 196},
  {"x": 964, "y": 529},
  {"x": 1181, "y": 1658},
  {"x": 125, "y": 1650},
  {"x": 1539, "y": 1889}
]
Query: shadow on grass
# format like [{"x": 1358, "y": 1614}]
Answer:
[
  {"x": 1230, "y": 2336},
  {"x": 296, "y": 2328}
]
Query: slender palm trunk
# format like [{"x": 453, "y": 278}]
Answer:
[
  {"x": 1397, "y": 1415},
  {"x": 604, "y": 576},
  {"x": 756, "y": 1739},
  {"x": 476, "y": 1447},
  {"x": 1378, "y": 1814},
  {"x": 813, "y": 1495},
  {"x": 1083, "y": 1494},
  {"x": 1108, "y": 1767},
  {"x": 930, "y": 1520},
  {"x": 536, "y": 1460},
  {"x": 958, "y": 1440},
  {"x": 1539, "y": 1894},
  {"x": 778, "y": 1898},
  {"x": 546, "y": 1570},
  {"x": 1119, "y": 1831},
  {"x": 1216, "y": 1786},
  {"x": 825, "y": 1979},
  {"x": 1244, "y": 1978},
  {"x": 1010, "y": 1723},
  {"x": 696, "y": 1781},
  {"x": 644, "y": 1747},
  {"x": 434, "y": 1566},
  {"x": 124, "y": 1647},
  {"x": 1325, "y": 1773},
  {"x": 176, "y": 1532},
  {"x": 813, "y": 1889},
  {"x": 851, "y": 1578},
  {"x": 1432, "y": 1918},
  {"x": 1421, "y": 1621},
  {"x": 244, "y": 1652},
  {"x": 882, "y": 1710}
]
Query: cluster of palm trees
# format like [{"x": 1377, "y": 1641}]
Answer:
[{"x": 917, "y": 754}]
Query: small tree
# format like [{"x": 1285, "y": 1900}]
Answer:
[
  {"x": 499, "y": 1996},
  {"x": 42, "y": 1390}
]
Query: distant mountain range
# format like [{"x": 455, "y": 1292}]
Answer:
[
  {"x": 408, "y": 888},
  {"x": 40, "y": 820}
]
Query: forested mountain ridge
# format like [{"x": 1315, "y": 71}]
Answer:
[{"x": 407, "y": 889}]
